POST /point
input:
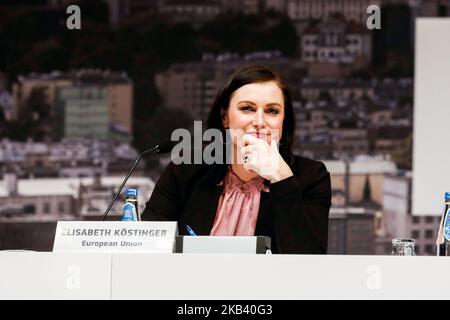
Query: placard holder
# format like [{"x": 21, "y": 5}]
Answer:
[{"x": 223, "y": 244}]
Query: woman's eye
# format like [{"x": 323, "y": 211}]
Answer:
[
  {"x": 246, "y": 108},
  {"x": 273, "y": 111}
]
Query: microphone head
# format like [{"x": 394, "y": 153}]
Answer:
[{"x": 165, "y": 146}]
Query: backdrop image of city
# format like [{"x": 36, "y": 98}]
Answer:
[{"x": 77, "y": 105}]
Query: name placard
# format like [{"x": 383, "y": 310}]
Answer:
[{"x": 115, "y": 236}]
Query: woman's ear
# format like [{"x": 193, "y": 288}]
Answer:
[{"x": 225, "y": 120}]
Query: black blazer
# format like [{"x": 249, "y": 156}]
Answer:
[{"x": 294, "y": 214}]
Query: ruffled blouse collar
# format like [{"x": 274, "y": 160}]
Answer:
[{"x": 233, "y": 182}]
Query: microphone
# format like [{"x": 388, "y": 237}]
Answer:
[{"x": 163, "y": 147}]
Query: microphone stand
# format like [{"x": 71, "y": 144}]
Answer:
[{"x": 155, "y": 149}]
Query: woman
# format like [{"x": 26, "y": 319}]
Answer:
[{"x": 264, "y": 191}]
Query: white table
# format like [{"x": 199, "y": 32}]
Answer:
[
  {"x": 32, "y": 275},
  {"x": 46, "y": 275}
]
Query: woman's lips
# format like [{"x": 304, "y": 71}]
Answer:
[{"x": 259, "y": 135}]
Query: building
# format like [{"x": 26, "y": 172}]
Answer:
[
  {"x": 338, "y": 89},
  {"x": 36, "y": 199},
  {"x": 397, "y": 205},
  {"x": 334, "y": 42},
  {"x": 117, "y": 93},
  {"x": 193, "y": 86},
  {"x": 351, "y": 10},
  {"x": 356, "y": 216},
  {"x": 349, "y": 117},
  {"x": 86, "y": 112},
  {"x": 388, "y": 139},
  {"x": 390, "y": 90},
  {"x": 82, "y": 113},
  {"x": 352, "y": 175},
  {"x": 312, "y": 136},
  {"x": 30, "y": 208},
  {"x": 190, "y": 87},
  {"x": 6, "y": 104},
  {"x": 195, "y": 12},
  {"x": 380, "y": 117},
  {"x": 244, "y": 6},
  {"x": 351, "y": 231},
  {"x": 52, "y": 199},
  {"x": 349, "y": 141},
  {"x": 398, "y": 222},
  {"x": 76, "y": 158},
  {"x": 275, "y": 5},
  {"x": 424, "y": 230},
  {"x": 387, "y": 94},
  {"x": 48, "y": 82},
  {"x": 96, "y": 193},
  {"x": 316, "y": 121}
]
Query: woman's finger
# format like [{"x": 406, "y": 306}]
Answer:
[
  {"x": 248, "y": 149},
  {"x": 248, "y": 139}
]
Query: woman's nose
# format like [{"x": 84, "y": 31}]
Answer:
[{"x": 259, "y": 120}]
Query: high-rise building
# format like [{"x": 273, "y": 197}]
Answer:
[
  {"x": 82, "y": 113},
  {"x": 117, "y": 93}
]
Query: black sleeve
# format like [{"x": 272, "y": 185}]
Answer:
[
  {"x": 300, "y": 211},
  {"x": 164, "y": 201}
]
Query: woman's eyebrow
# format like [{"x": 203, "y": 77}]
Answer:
[
  {"x": 247, "y": 101},
  {"x": 271, "y": 104}
]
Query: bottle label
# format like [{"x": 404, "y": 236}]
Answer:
[
  {"x": 129, "y": 212},
  {"x": 447, "y": 225}
]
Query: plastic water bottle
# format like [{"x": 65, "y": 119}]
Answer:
[
  {"x": 443, "y": 240},
  {"x": 130, "y": 210}
]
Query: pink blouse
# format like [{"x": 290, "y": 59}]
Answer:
[{"x": 238, "y": 206}]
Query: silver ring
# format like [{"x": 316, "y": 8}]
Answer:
[{"x": 245, "y": 158}]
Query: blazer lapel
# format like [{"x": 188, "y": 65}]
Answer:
[
  {"x": 200, "y": 211},
  {"x": 263, "y": 222}
]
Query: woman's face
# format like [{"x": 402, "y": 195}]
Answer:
[{"x": 256, "y": 109}]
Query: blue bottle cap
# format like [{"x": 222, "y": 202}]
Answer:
[
  {"x": 131, "y": 192},
  {"x": 447, "y": 196}
]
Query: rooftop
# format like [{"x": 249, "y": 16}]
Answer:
[
  {"x": 337, "y": 167},
  {"x": 67, "y": 186},
  {"x": 342, "y": 212},
  {"x": 82, "y": 76}
]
